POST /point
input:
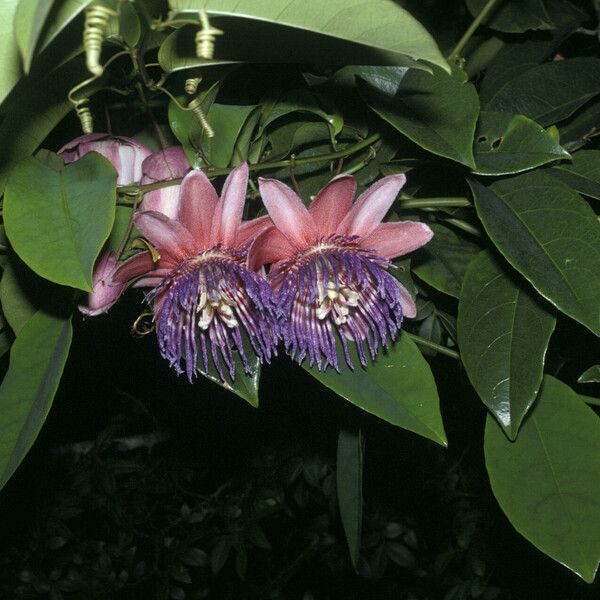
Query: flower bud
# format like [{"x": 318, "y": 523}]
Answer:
[
  {"x": 125, "y": 154},
  {"x": 105, "y": 292}
]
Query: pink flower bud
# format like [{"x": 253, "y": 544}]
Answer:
[
  {"x": 170, "y": 163},
  {"x": 105, "y": 292},
  {"x": 125, "y": 154}
]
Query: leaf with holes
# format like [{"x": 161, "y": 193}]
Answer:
[
  {"x": 550, "y": 235},
  {"x": 506, "y": 144},
  {"x": 503, "y": 335},
  {"x": 58, "y": 220},
  {"x": 547, "y": 482}
]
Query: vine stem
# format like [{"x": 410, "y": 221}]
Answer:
[
  {"x": 442, "y": 349},
  {"x": 133, "y": 189},
  {"x": 471, "y": 30},
  {"x": 433, "y": 202}
]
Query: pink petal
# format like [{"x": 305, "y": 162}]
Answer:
[
  {"x": 332, "y": 203},
  {"x": 167, "y": 236},
  {"x": 372, "y": 205},
  {"x": 398, "y": 238},
  {"x": 251, "y": 229},
  {"x": 134, "y": 267},
  {"x": 167, "y": 164},
  {"x": 288, "y": 213},
  {"x": 105, "y": 291},
  {"x": 151, "y": 281},
  {"x": 197, "y": 203},
  {"x": 269, "y": 247},
  {"x": 409, "y": 308},
  {"x": 228, "y": 214}
]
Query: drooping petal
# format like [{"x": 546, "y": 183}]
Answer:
[
  {"x": 409, "y": 308},
  {"x": 396, "y": 239},
  {"x": 251, "y": 229},
  {"x": 125, "y": 154},
  {"x": 288, "y": 213},
  {"x": 269, "y": 247},
  {"x": 167, "y": 164},
  {"x": 105, "y": 290},
  {"x": 135, "y": 266},
  {"x": 332, "y": 203},
  {"x": 228, "y": 214},
  {"x": 166, "y": 235},
  {"x": 197, "y": 203},
  {"x": 371, "y": 206}
]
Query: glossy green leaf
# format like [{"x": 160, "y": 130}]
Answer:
[
  {"x": 29, "y": 21},
  {"x": 349, "y": 479},
  {"x": 29, "y": 386},
  {"x": 591, "y": 375},
  {"x": 398, "y": 387},
  {"x": 292, "y": 136},
  {"x": 503, "y": 335},
  {"x": 550, "y": 92},
  {"x": 10, "y": 60},
  {"x": 513, "y": 16},
  {"x": 130, "y": 28},
  {"x": 582, "y": 173},
  {"x": 227, "y": 122},
  {"x": 506, "y": 144},
  {"x": 57, "y": 221},
  {"x": 385, "y": 27},
  {"x": 445, "y": 260},
  {"x": 436, "y": 111},
  {"x": 548, "y": 481},
  {"x": 581, "y": 127},
  {"x": 549, "y": 234},
  {"x": 6, "y": 336},
  {"x": 61, "y": 15}
]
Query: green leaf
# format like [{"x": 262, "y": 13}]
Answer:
[
  {"x": 591, "y": 375},
  {"x": 61, "y": 15},
  {"x": 384, "y": 27},
  {"x": 550, "y": 92},
  {"x": 550, "y": 235},
  {"x": 57, "y": 221},
  {"x": 513, "y": 16},
  {"x": 437, "y": 112},
  {"x": 582, "y": 174},
  {"x": 581, "y": 127},
  {"x": 227, "y": 122},
  {"x": 31, "y": 119},
  {"x": 548, "y": 481},
  {"x": 130, "y": 28},
  {"x": 506, "y": 144},
  {"x": 398, "y": 388},
  {"x": 29, "y": 20},
  {"x": 10, "y": 61},
  {"x": 503, "y": 335},
  {"x": 29, "y": 386},
  {"x": 349, "y": 478},
  {"x": 446, "y": 258}
]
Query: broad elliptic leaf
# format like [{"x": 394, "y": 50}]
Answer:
[
  {"x": 436, "y": 111},
  {"x": 513, "y": 16},
  {"x": 57, "y": 221},
  {"x": 446, "y": 258},
  {"x": 550, "y": 92},
  {"x": 582, "y": 173},
  {"x": 584, "y": 125},
  {"x": 547, "y": 482},
  {"x": 37, "y": 359},
  {"x": 398, "y": 388},
  {"x": 62, "y": 13},
  {"x": 10, "y": 60},
  {"x": 551, "y": 236},
  {"x": 506, "y": 144},
  {"x": 29, "y": 21},
  {"x": 349, "y": 478},
  {"x": 591, "y": 375},
  {"x": 503, "y": 335},
  {"x": 383, "y": 26}
]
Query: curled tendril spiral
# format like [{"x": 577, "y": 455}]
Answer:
[
  {"x": 96, "y": 20},
  {"x": 205, "y": 38}
]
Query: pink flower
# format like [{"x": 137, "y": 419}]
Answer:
[
  {"x": 105, "y": 291},
  {"x": 331, "y": 262},
  {"x": 205, "y": 297},
  {"x": 125, "y": 154}
]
